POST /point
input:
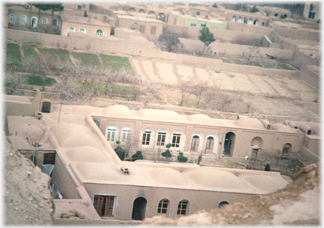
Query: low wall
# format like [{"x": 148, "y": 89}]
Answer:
[
  {"x": 245, "y": 50},
  {"x": 298, "y": 34},
  {"x": 229, "y": 35},
  {"x": 301, "y": 59},
  {"x": 310, "y": 156},
  {"x": 242, "y": 27},
  {"x": 310, "y": 77}
]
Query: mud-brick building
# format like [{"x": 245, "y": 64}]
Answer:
[
  {"x": 153, "y": 129},
  {"x": 86, "y": 25}
]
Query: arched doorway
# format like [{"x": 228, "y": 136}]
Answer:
[
  {"x": 286, "y": 149},
  {"x": 234, "y": 19},
  {"x": 256, "y": 22},
  {"x": 229, "y": 144},
  {"x": 139, "y": 208},
  {"x": 46, "y": 107},
  {"x": 34, "y": 21},
  {"x": 221, "y": 204},
  {"x": 239, "y": 20},
  {"x": 195, "y": 143},
  {"x": 161, "y": 17},
  {"x": 257, "y": 141}
]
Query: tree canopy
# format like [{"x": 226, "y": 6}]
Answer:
[
  {"x": 206, "y": 36},
  {"x": 170, "y": 40},
  {"x": 254, "y": 9}
]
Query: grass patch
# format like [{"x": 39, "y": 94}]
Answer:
[
  {"x": 116, "y": 62},
  {"x": 13, "y": 52},
  {"x": 61, "y": 54},
  {"x": 37, "y": 80},
  {"x": 86, "y": 59},
  {"x": 29, "y": 51}
]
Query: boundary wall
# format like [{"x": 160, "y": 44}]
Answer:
[
  {"x": 245, "y": 50},
  {"x": 310, "y": 77},
  {"x": 301, "y": 59},
  {"x": 298, "y": 34},
  {"x": 112, "y": 47},
  {"x": 241, "y": 27}
]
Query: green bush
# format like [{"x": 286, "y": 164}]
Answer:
[
  {"x": 182, "y": 158},
  {"x": 138, "y": 155},
  {"x": 282, "y": 17},
  {"x": 120, "y": 152},
  {"x": 167, "y": 154},
  {"x": 168, "y": 145},
  {"x": 215, "y": 5}
]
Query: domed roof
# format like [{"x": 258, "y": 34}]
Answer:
[
  {"x": 200, "y": 119},
  {"x": 85, "y": 110},
  {"x": 118, "y": 111},
  {"x": 167, "y": 176},
  {"x": 85, "y": 154},
  {"x": 282, "y": 127},
  {"x": 164, "y": 115},
  {"x": 73, "y": 135},
  {"x": 246, "y": 122},
  {"x": 217, "y": 179}
]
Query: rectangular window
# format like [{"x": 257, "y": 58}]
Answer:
[
  {"x": 84, "y": 6},
  {"x": 192, "y": 24},
  {"x": 146, "y": 138},
  {"x": 176, "y": 140},
  {"x": 126, "y": 135},
  {"x": 203, "y": 25},
  {"x": 161, "y": 139},
  {"x": 111, "y": 135},
  {"x": 153, "y": 30},
  {"x": 79, "y": 7},
  {"x": 104, "y": 205}
]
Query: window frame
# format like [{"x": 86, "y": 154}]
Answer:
[
  {"x": 84, "y": 30},
  {"x": 146, "y": 138},
  {"x": 176, "y": 145},
  {"x": 25, "y": 20},
  {"x": 70, "y": 29},
  {"x": 161, "y": 207},
  {"x": 46, "y": 19},
  {"x": 98, "y": 33},
  {"x": 14, "y": 17},
  {"x": 182, "y": 211},
  {"x": 161, "y": 142}
]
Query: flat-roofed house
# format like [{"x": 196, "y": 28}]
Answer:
[{"x": 86, "y": 25}]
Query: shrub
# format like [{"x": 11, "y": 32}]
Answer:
[
  {"x": 167, "y": 154},
  {"x": 120, "y": 152},
  {"x": 215, "y": 5},
  {"x": 168, "y": 145},
  {"x": 282, "y": 17},
  {"x": 137, "y": 156},
  {"x": 182, "y": 158}
]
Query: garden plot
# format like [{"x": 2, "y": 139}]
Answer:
[
  {"x": 262, "y": 85},
  {"x": 138, "y": 70},
  {"x": 203, "y": 74},
  {"x": 185, "y": 71},
  {"x": 278, "y": 85},
  {"x": 223, "y": 81},
  {"x": 149, "y": 70},
  {"x": 165, "y": 70},
  {"x": 241, "y": 82}
]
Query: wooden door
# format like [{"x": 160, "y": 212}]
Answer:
[
  {"x": 209, "y": 145},
  {"x": 195, "y": 143},
  {"x": 109, "y": 206},
  {"x": 98, "y": 204}
]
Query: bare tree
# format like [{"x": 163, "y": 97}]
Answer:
[
  {"x": 198, "y": 88},
  {"x": 225, "y": 100},
  {"x": 15, "y": 81},
  {"x": 185, "y": 87},
  {"x": 169, "y": 40},
  {"x": 10, "y": 63},
  {"x": 211, "y": 93}
]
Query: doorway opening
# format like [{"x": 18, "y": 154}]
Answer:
[
  {"x": 139, "y": 208},
  {"x": 229, "y": 144}
]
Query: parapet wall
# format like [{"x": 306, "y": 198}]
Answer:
[{"x": 298, "y": 34}]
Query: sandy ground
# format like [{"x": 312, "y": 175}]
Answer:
[
  {"x": 27, "y": 196},
  {"x": 297, "y": 204}
]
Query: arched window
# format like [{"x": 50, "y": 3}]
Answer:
[
  {"x": 146, "y": 138},
  {"x": 71, "y": 29},
  {"x": 99, "y": 32},
  {"x": 82, "y": 30},
  {"x": 163, "y": 207},
  {"x": 23, "y": 19},
  {"x": 111, "y": 133},
  {"x": 234, "y": 19},
  {"x": 182, "y": 208},
  {"x": 12, "y": 18},
  {"x": 276, "y": 15},
  {"x": 221, "y": 204},
  {"x": 194, "y": 143},
  {"x": 34, "y": 21},
  {"x": 45, "y": 20},
  {"x": 161, "y": 17},
  {"x": 257, "y": 141},
  {"x": 250, "y": 21},
  {"x": 134, "y": 26},
  {"x": 141, "y": 11},
  {"x": 55, "y": 22},
  {"x": 262, "y": 24},
  {"x": 239, "y": 20},
  {"x": 97, "y": 123},
  {"x": 245, "y": 20},
  {"x": 126, "y": 132},
  {"x": 132, "y": 10},
  {"x": 256, "y": 22}
]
